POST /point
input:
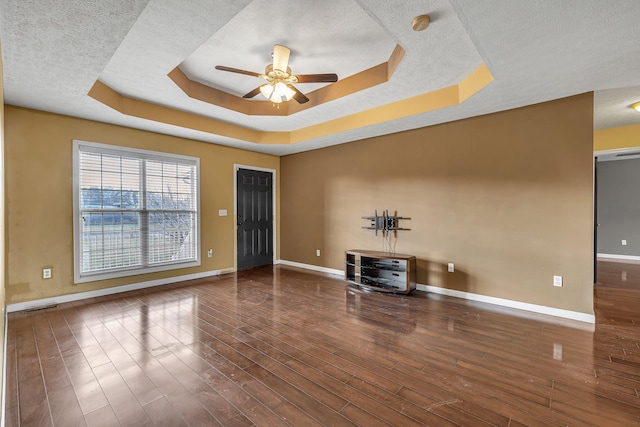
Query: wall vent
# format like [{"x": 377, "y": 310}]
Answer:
[{"x": 44, "y": 307}]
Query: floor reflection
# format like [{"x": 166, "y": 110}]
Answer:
[
  {"x": 388, "y": 311},
  {"x": 164, "y": 325}
]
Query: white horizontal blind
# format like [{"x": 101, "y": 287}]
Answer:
[
  {"x": 171, "y": 207},
  {"x": 136, "y": 211}
]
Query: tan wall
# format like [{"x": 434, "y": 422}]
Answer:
[
  {"x": 507, "y": 197},
  {"x": 39, "y": 198},
  {"x": 616, "y": 138}
]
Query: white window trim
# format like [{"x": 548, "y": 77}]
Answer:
[{"x": 77, "y": 235}]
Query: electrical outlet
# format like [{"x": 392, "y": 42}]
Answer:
[
  {"x": 210, "y": 253},
  {"x": 46, "y": 273},
  {"x": 624, "y": 242},
  {"x": 557, "y": 281},
  {"x": 317, "y": 252},
  {"x": 451, "y": 268}
]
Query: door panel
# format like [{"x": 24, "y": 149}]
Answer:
[{"x": 254, "y": 218}]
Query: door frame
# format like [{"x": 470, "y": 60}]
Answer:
[
  {"x": 599, "y": 157},
  {"x": 237, "y": 166}
]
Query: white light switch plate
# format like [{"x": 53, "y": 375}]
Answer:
[{"x": 222, "y": 212}]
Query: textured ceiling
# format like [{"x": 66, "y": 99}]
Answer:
[
  {"x": 356, "y": 42},
  {"x": 54, "y": 52}
]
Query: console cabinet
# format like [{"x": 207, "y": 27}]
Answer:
[{"x": 381, "y": 271}]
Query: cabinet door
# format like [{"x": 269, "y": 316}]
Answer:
[{"x": 394, "y": 279}]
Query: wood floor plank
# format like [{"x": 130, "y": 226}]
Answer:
[
  {"x": 65, "y": 409},
  {"x": 140, "y": 385},
  {"x": 28, "y": 361},
  {"x": 361, "y": 417},
  {"x": 281, "y": 346},
  {"x": 11, "y": 380},
  {"x": 124, "y": 404},
  {"x": 230, "y": 379},
  {"x": 224, "y": 411},
  {"x": 184, "y": 402},
  {"x": 86, "y": 386},
  {"x": 162, "y": 413},
  {"x": 12, "y": 416},
  {"x": 34, "y": 405},
  {"x": 435, "y": 397},
  {"x": 103, "y": 417},
  {"x": 409, "y": 413},
  {"x": 310, "y": 405},
  {"x": 262, "y": 416}
]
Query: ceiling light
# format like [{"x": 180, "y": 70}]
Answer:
[
  {"x": 277, "y": 92},
  {"x": 279, "y": 87},
  {"x": 266, "y": 90},
  {"x": 636, "y": 106},
  {"x": 420, "y": 23}
]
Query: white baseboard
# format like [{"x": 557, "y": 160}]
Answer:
[
  {"x": 20, "y": 306},
  {"x": 619, "y": 257},
  {"x": 567, "y": 314},
  {"x": 311, "y": 267},
  {"x": 542, "y": 309},
  {"x": 557, "y": 312}
]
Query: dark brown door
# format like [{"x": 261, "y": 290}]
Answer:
[{"x": 254, "y": 218}]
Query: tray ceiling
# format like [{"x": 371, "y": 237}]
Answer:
[{"x": 475, "y": 58}]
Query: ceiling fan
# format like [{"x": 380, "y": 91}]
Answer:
[{"x": 279, "y": 87}]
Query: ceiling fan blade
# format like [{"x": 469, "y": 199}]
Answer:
[
  {"x": 252, "y": 93},
  {"x": 280, "y": 57},
  {"x": 297, "y": 95},
  {"x": 317, "y": 78},
  {"x": 237, "y": 70}
]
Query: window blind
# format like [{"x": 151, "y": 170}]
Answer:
[{"x": 137, "y": 211}]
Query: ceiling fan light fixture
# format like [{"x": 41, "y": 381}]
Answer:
[
  {"x": 277, "y": 92},
  {"x": 283, "y": 91},
  {"x": 266, "y": 90},
  {"x": 636, "y": 106},
  {"x": 280, "y": 79}
]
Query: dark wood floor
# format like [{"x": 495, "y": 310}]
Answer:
[{"x": 280, "y": 346}]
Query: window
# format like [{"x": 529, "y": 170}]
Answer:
[{"x": 135, "y": 211}]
